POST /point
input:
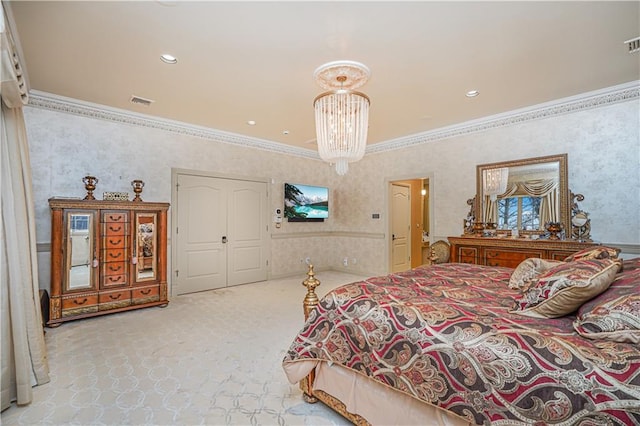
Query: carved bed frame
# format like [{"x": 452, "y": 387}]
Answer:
[{"x": 309, "y": 394}]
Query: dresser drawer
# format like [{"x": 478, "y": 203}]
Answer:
[
  {"x": 560, "y": 255},
  {"x": 508, "y": 258},
  {"x": 145, "y": 295},
  {"x": 114, "y": 255},
  {"x": 467, "y": 255},
  {"x": 114, "y": 300},
  {"x": 79, "y": 301},
  {"x": 112, "y": 280},
  {"x": 114, "y": 268},
  {"x": 115, "y": 217},
  {"x": 114, "y": 229},
  {"x": 114, "y": 241}
]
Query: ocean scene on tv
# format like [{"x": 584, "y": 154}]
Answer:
[{"x": 305, "y": 202}]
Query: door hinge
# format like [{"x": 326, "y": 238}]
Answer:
[
  {"x": 177, "y": 273},
  {"x": 176, "y": 229},
  {"x": 177, "y": 186}
]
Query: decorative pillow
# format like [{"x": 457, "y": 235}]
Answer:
[
  {"x": 598, "y": 252},
  {"x": 528, "y": 270},
  {"x": 562, "y": 289},
  {"x": 615, "y": 314}
]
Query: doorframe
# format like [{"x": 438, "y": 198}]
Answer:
[
  {"x": 175, "y": 172},
  {"x": 387, "y": 206}
]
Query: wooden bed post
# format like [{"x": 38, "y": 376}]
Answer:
[{"x": 310, "y": 302}]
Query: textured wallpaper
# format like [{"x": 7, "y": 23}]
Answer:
[{"x": 603, "y": 147}]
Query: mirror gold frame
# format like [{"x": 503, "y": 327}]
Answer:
[{"x": 561, "y": 159}]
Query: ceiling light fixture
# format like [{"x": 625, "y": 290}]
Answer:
[
  {"x": 168, "y": 59},
  {"x": 472, "y": 93},
  {"x": 342, "y": 114}
]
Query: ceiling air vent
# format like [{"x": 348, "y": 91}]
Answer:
[
  {"x": 634, "y": 45},
  {"x": 141, "y": 101}
]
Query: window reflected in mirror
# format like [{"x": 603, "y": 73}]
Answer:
[
  {"x": 519, "y": 213},
  {"x": 146, "y": 246},
  {"x": 79, "y": 251}
]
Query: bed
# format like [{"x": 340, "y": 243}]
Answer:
[{"x": 454, "y": 344}]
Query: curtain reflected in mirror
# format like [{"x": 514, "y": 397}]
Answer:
[
  {"x": 146, "y": 246},
  {"x": 530, "y": 200},
  {"x": 79, "y": 251},
  {"x": 533, "y": 195}
]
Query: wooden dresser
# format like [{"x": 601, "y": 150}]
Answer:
[
  {"x": 509, "y": 252},
  {"x": 106, "y": 256}
]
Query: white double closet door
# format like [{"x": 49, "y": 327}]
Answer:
[{"x": 221, "y": 235}]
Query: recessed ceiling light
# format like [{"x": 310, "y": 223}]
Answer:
[
  {"x": 472, "y": 93},
  {"x": 168, "y": 59},
  {"x": 251, "y": 123},
  {"x": 285, "y": 132}
]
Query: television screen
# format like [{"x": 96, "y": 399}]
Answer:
[{"x": 305, "y": 203}]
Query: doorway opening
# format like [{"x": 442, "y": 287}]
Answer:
[{"x": 410, "y": 212}]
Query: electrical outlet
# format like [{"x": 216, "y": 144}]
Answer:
[
  {"x": 307, "y": 261},
  {"x": 345, "y": 261}
]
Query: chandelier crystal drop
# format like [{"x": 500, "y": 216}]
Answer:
[{"x": 341, "y": 114}]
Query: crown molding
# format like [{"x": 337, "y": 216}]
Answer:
[
  {"x": 611, "y": 95},
  {"x": 57, "y": 103},
  {"x": 594, "y": 99}
]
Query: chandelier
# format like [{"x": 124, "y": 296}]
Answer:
[
  {"x": 342, "y": 114},
  {"x": 494, "y": 182}
]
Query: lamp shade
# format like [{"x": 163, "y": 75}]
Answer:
[{"x": 342, "y": 120}]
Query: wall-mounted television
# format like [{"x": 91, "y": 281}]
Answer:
[{"x": 305, "y": 203}]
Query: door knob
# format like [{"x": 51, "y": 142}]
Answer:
[
  {"x": 393, "y": 237},
  {"x": 224, "y": 239}
]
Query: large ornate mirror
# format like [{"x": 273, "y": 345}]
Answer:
[
  {"x": 523, "y": 194},
  {"x": 80, "y": 255},
  {"x": 146, "y": 246}
]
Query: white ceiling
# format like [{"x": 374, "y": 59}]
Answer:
[{"x": 240, "y": 61}]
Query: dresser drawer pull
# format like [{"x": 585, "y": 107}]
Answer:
[
  {"x": 115, "y": 218},
  {"x": 115, "y": 268},
  {"x": 145, "y": 292},
  {"x": 115, "y": 243},
  {"x": 493, "y": 263},
  {"x": 115, "y": 279},
  {"x": 115, "y": 256},
  {"x": 112, "y": 297},
  {"x": 114, "y": 229},
  {"x": 80, "y": 303},
  {"x": 493, "y": 254}
]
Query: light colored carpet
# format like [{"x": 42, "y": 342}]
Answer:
[{"x": 209, "y": 358}]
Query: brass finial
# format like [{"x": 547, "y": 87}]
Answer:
[
  {"x": 433, "y": 256},
  {"x": 311, "y": 299}
]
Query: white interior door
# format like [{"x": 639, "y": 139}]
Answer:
[
  {"x": 222, "y": 233},
  {"x": 400, "y": 228},
  {"x": 247, "y": 232},
  {"x": 202, "y": 222}
]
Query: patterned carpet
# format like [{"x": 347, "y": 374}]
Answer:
[{"x": 209, "y": 358}]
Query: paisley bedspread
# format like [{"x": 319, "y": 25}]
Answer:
[{"x": 444, "y": 334}]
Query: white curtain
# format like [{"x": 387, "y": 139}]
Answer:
[
  {"x": 547, "y": 189},
  {"x": 24, "y": 357}
]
